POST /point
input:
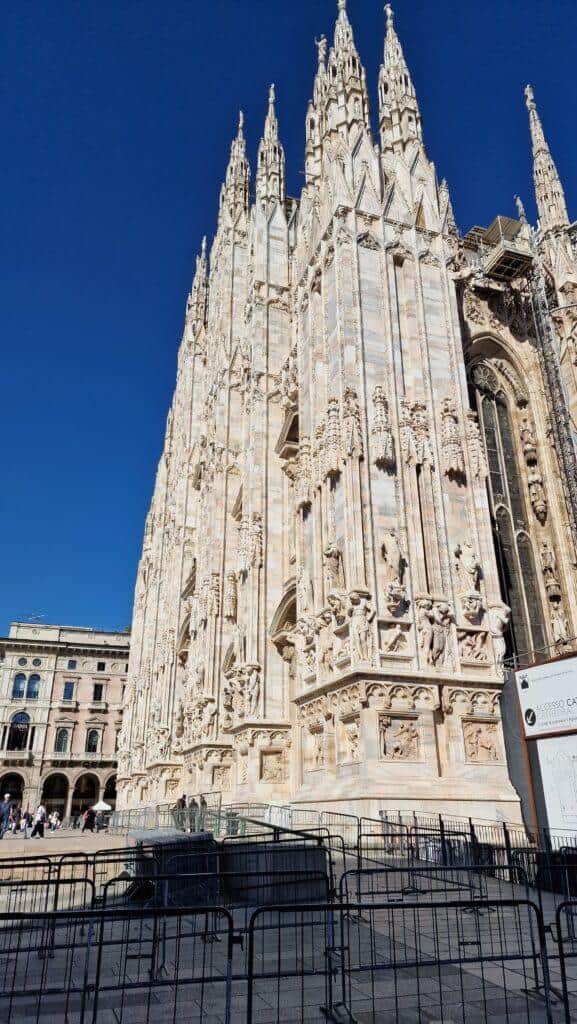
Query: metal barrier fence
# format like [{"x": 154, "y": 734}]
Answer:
[
  {"x": 366, "y": 960},
  {"x": 124, "y": 967},
  {"x": 566, "y": 937}
]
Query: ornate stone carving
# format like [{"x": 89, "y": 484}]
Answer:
[
  {"x": 272, "y": 766},
  {"x": 333, "y": 440},
  {"x": 451, "y": 447},
  {"x": 288, "y": 381},
  {"x": 221, "y": 780},
  {"x": 303, "y": 482},
  {"x": 394, "y": 573},
  {"x": 361, "y": 615},
  {"x": 229, "y": 605},
  {"x": 467, "y": 566},
  {"x": 499, "y": 615},
  {"x": 243, "y": 559},
  {"x": 394, "y": 639},
  {"x": 399, "y": 739},
  {"x": 434, "y": 620},
  {"x": 549, "y": 569},
  {"x": 559, "y": 625},
  {"x": 383, "y": 443},
  {"x": 352, "y": 437},
  {"x": 326, "y": 643},
  {"x": 472, "y": 646},
  {"x": 481, "y": 741},
  {"x": 255, "y": 541},
  {"x": 478, "y": 461},
  {"x": 333, "y": 563},
  {"x": 537, "y": 495},
  {"x": 351, "y": 734},
  {"x": 415, "y": 434},
  {"x": 528, "y": 443}
]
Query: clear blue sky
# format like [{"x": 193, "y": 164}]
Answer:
[{"x": 116, "y": 125}]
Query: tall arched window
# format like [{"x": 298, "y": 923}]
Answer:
[
  {"x": 92, "y": 738},
  {"x": 61, "y": 744},
  {"x": 18, "y": 732},
  {"x": 511, "y": 522},
  {"x": 18, "y": 685},
  {"x": 33, "y": 687}
]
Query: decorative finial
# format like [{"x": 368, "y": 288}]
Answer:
[
  {"x": 240, "y": 121},
  {"x": 271, "y": 95},
  {"x": 390, "y": 15},
  {"x": 321, "y": 45},
  {"x": 342, "y": 5},
  {"x": 529, "y": 97},
  {"x": 520, "y": 209},
  {"x": 203, "y": 246}
]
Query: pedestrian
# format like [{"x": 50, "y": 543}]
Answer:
[
  {"x": 5, "y": 812},
  {"x": 17, "y": 819},
  {"x": 39, "y": 822},
  {"x": 26, "y": 822},
  {"x": 89, "y": 820}
]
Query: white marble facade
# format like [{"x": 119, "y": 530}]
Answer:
[{"x": 318, "y": 614}]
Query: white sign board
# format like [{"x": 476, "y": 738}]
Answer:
[
  {"x": 558, "y": 765},
  {"x": 548, "y": 697}
]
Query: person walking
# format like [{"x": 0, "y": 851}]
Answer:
[
  {"x": 5, "y": 811},
  {"x": 39, "y": 822},
  {"x": 26, "y": 823},
  {"x": 89, "y": 820}
]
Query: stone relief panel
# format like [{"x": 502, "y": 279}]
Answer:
[
  {"x": 273, "y": 766},
  {"x": 482, "y": 742},
  {"x": 349, "y": 739},
  {"x": 221, "y": 777},
  {"x": 399, "y": 738}
]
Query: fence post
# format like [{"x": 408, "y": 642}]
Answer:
[
  {"x": 443, "y": 840},
  {"x": 507, "y": 839}
]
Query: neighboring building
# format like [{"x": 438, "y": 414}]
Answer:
[
  {"x": 61, "y": 691},
  {"x": 368, "y": 463}
]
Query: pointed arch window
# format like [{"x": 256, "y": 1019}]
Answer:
[{"x": 514, "y": 548}]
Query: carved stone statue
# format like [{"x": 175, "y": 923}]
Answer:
[
  {"x": 528, "y": 442},
  {"x": 334, "y": 576},
  {"x": 326, "y": 642},
  {"x": 253, "y": 692},
  {"x": 360, "y": 615},
  {"x": 559, "y": 625},
  {"x": 499, "y": 615},
  {"x": 467, "y": 566},
  {"x": 305, "y": 592},
  {"x": 451, "y": 447},
  {"x": 442, "y": 618},
  {"x": 537, "y": 495},
  {"x": 352, "y": 735},
  {"x": 549, "y": 568},
  {"x": 381, "y": 435}
]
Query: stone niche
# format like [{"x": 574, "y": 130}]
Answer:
[{"x": 400, "y": 738}]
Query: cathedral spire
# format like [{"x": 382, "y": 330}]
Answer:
[
  {"x": 270, "y": 172},
  {"x": 344, "y": 103},
  {"x": 196, "y": 306},
  {"x": 399, "y": 115},
  {"x": 235, "y": 192},
  {"x": 549, "y": 193}
]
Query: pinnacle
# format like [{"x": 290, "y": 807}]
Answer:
[{"x": 390, "y": 16}]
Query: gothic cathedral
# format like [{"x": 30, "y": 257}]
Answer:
[{"x": 366, "y": 502}]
